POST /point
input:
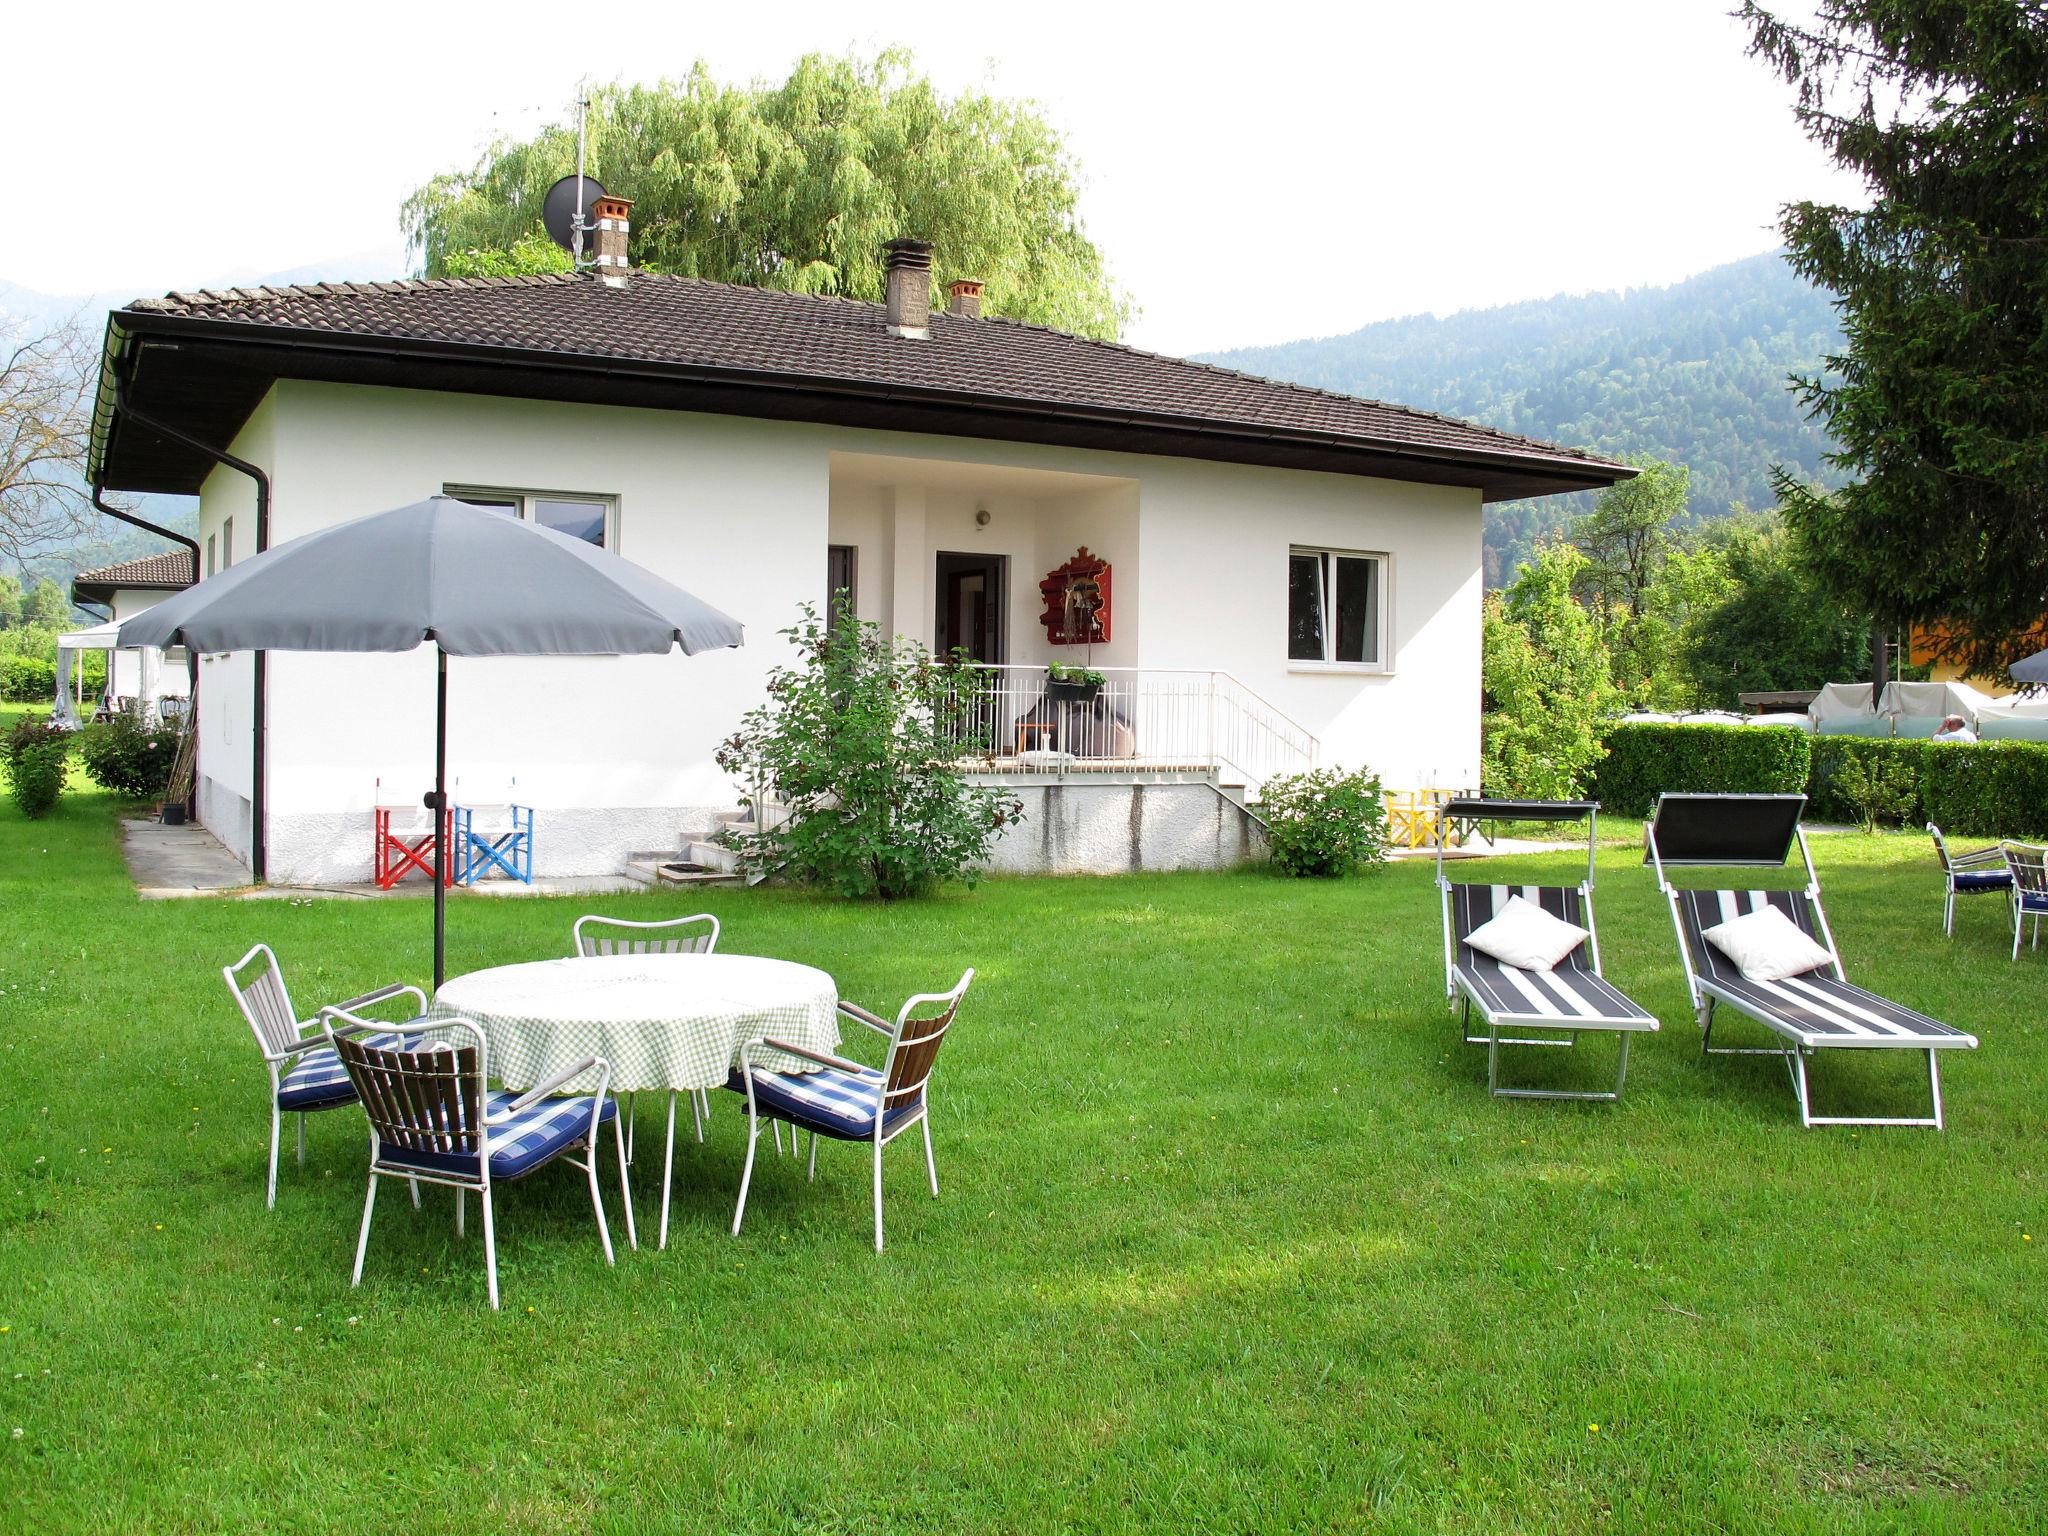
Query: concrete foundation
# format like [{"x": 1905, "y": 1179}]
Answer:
[{"x": 1097, "y": 828}]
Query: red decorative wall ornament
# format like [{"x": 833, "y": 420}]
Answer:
[{"x": 1076, "y": 601}]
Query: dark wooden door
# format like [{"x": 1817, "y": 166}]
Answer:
[{"x": 970, "y": 606}]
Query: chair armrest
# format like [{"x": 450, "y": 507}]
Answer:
[
  {"x": 873, "y": 1021},
  {"x": 384, "y": 994},
  {"x": 823, "y": 1058},
  {"x": 1975, "y": 857},
  {"x": 541, "y": 1090}
]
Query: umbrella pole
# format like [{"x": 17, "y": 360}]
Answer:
[{"x": 440, "y": 811}]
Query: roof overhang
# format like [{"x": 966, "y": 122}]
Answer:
[{"x": 207, "y": 376}]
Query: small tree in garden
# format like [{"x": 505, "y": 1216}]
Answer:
[
  {"x": 36, "y": 754},
  {"x": 1325, "y": 822},
  {"x": 856, "y": 747},
  {"x": 1548, "y": 683},
  {"x": 1879, "y": 787}
]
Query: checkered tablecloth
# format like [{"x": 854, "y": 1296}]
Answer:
[{"x": 662, "y": 1021}]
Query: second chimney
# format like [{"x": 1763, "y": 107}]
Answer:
[
  {"x": 966, "y": 296},
  {"x": 909, "y": 298},
  {"x": 609, "y": 214}
]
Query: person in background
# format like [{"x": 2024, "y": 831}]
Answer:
[{"x": 1954, "y": 729}]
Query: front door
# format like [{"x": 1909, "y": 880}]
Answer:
[{"x": 970, "y": 606}]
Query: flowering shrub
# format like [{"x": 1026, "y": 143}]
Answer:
[
  {"x": 855, "y": 750},
  {"x": 1325, "y": 822},
  {"x": 129, "y": 757},
  {"x": 36, "y": 754}
]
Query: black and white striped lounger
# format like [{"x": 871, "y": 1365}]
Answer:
[
  {"x": 1524, "y": 1007},
  {"x": 1820, "y": 1010}
]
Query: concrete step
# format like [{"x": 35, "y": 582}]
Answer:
[{"x": 676, "y": 869}]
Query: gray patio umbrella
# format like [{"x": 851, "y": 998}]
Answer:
[
  {"x": 2032, "y": 670},
  {"x": 472, "y": 581}
]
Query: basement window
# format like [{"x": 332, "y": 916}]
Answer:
[
  {"x": 593, "y": 519},
  {"x": 1336, "y": 609}
]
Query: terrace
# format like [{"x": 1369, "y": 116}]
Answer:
[{"x": 1231, "y": 1237}]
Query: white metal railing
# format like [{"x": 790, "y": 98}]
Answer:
[{"x": 1014, "y": 720}]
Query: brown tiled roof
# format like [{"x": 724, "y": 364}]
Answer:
[
  {"x": 743, "y": 332},
  {"x": 174, "y": 568}
]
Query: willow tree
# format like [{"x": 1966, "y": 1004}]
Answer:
[
  {"x": 1939, "y": 399},
  {"x": 797, "y": 186}
]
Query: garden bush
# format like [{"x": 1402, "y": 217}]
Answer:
[
  {"x": 128, "y": 757},
  {"x": 1325, "y": 822},
  {"x": 1845, "y": 766},
  {"x": 27, "y": 680},
  {"x": 857, "y": 747},
  {"x": 36, "y": 754},
  {"x": 1645, "y": 760}
]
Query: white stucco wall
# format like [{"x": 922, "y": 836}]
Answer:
[{"x": 616, "y": 753}]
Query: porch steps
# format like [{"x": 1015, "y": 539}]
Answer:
[{"x": 696, "y": 863}]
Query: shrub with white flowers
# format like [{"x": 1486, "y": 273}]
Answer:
[{"x": 1325, "y": 822}]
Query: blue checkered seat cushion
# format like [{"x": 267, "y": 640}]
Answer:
[
  {"x": 530, "y": 1137},
  {"x": 320, "y": 1081},
  {"x": 1983, "y": 880},
  {"x": 830, "y": 1101}
]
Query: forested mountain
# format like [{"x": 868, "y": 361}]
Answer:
[{"x": 1693, "y": 373}]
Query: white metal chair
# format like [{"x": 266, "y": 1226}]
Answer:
[
  {"x": 305, "y": 1075},
  {"x": 1979, "y": 872},
  {"x": 433, "y": 1119},
  {"x": 696, "y": 935},
  {"x": 847, "y": 1101},
  {"x": 2029, "y": 865}
]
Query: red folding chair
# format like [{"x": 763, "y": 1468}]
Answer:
[{"x": 409, "y": 848}]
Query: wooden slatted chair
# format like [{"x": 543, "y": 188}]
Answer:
[
  {"x": 696, "y": 935},
  {"x": 434, "y": 1120},
  {"x": 1976, "y": 872},
  {"x": 847, "y": 1101},
  {"x": 305, "y": 1075},
  {"x": 2029, "y": 865}
]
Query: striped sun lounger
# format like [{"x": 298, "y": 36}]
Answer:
[
  {"x": 1522, "y": 1007},
  {"x": 1820, "y": 1010}
]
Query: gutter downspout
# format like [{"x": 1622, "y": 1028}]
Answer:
[{"x": 259, "y": 809}]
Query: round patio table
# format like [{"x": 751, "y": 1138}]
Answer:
[{"x": 665, "y": 1023}]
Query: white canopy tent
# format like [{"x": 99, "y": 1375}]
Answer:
[{"x": 157, "y": 681}]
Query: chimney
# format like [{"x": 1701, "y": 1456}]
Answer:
[
  {"x": 609, "y": 213},
  {"x": 966, "y": 296},
  {"x": 909, "y": 302}
]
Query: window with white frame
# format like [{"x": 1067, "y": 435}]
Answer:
[
  {"x": 593, "y": 519},
  {"x": 1336, "y": 608}
]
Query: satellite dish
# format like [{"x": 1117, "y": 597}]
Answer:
[{"x": 558, "y": 209}]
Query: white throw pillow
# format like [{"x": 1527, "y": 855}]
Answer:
[
  {"x": 1525, "y": 936},
  {"x": 1766, "y": 945}
]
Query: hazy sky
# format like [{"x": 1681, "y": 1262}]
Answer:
[{"x": 1254, "y": 173}]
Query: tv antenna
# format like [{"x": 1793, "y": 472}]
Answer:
[{"x": 562, "y": 211}]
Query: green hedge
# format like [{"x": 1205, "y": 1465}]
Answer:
[
  {"x": 1643, "y": 761},
  {"x": 1993, "y": 789},
  {"x": 27, "y": 680}
]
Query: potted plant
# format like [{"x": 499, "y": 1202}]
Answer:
[{"x": 1072, "y": 685}]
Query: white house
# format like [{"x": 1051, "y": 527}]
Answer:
[
  {"x": 125, "y": 590},
  {"x": 1292, "y": 576}
]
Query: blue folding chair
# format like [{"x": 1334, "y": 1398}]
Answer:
[{"x": 504, "y": 843}]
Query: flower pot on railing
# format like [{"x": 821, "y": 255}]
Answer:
[{"x": 1073, "y": 685}]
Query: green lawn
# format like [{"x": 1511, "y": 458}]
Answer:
[{"x": 1231, "y": 1239}]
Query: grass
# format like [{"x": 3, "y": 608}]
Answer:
[{"x": 1231, "y": 1239}]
